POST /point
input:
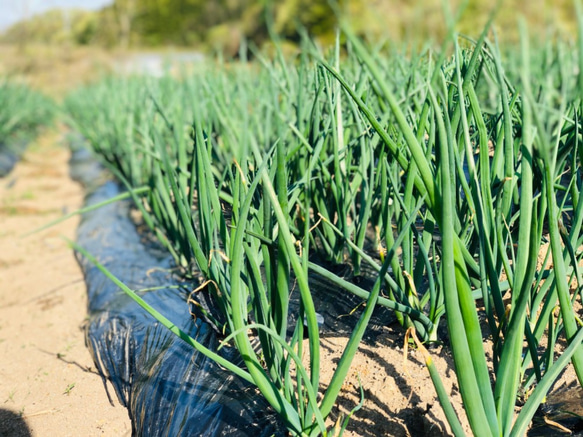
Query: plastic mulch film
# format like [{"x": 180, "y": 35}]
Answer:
[
  {"x": 169, "y": 388},
  {"x": 9, "y": 156},
  {"x": 84, "y": 168}
]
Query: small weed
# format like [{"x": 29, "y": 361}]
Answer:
[
  {"x": 28, "y": 195},
  {"x": 69, "y": 388},
  {"x": 10, "y": 396}
]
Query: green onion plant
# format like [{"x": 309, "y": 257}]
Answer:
[
  {"x": 440, "y": 174},
  {"x": 22, "y": 112},
  {"x": 493, "y": 216}
]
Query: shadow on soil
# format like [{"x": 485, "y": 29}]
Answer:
[{"x": 12, "y": 424}]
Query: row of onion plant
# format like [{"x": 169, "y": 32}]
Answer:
[
  {"x": 520, "y": 187},
  {"x": 22, "y": 112},
  {"x": 461, "y": 169},
  {"x": 226, "y": 196}
]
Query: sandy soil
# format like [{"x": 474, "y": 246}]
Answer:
[
  {"x": 399, "y": 398},
  {"x": 48, "y": 384}
]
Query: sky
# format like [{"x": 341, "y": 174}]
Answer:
[{"x": 12, "y": 11}]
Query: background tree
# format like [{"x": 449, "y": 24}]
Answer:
[
  {"x": 124, "y": 12},
  {"x": 221, "y": 24}
]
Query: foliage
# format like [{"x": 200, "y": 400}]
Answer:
[
  {"x": 491, "y": 216},
  {"x": 22, "y": 112},
  {"x": 56, "y": 27},
  {"x": 222, "y": 24},
  {"x": 243, "y": 225},
  {"x": 445, "y": 172}
]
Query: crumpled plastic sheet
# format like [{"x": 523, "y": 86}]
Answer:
[
  {"x": 169, "y": 388},
  {"x": 564, "y": 407},
  {"x": 8, "y": 158},
  {"x": 84, "y": 168}
]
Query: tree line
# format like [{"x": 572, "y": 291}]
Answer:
[{"x": 222, "y": 24}]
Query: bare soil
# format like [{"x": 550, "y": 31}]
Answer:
[
  {"x": 399, "y": 398},
  {"x": 48, "y": 383}
]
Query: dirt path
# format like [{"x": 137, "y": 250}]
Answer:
[{"x": 48, "y": 385}]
